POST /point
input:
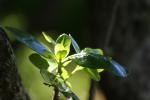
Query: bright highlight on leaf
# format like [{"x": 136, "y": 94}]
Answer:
[
  {"x": 60, "y": 51},
  {"x": 62, "y": 47},
  {"x": 75, "y": 45},
  {"x": 48, "y": 38},
  {"x": 53, "y": 65}
]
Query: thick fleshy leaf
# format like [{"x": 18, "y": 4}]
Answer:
[
  {"x": 116, "y": 69},
  {"x": 64, "y": 40},
  {"x": 60, "y": 51},
  {"x": 47, "y": 76},
  {"x": 31, "y": 42},
  {"x": 48, "y": 38},
  {"x": 91, "y": 59},
  {"x": 63, "y": 44},
  {"x": 93, "y": 73},
  {"x": 38, "y": 61},
  {"x": 93, "y": 51},
  {"x": 75, "y": 45}
]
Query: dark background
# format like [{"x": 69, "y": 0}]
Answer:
[{"x": 120, "y": 27}]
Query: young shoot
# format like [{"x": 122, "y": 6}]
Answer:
[{"x": 53, "y": 62}]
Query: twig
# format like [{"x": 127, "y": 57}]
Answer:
[
  {"x": 56, "y": 94},
  {"x": 111, "y": 25}
]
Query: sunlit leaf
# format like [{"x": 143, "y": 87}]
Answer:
[
  {"x": 64, "y": 40},
  {"x": 53, "y": 66},
  {"x": 93, "y": 73},
  {"x": 100, "y": 70},
  {"x": 77, "y": 68},
  {"x": 31, "y": 42},
  {"x": 66, "y": 63},
  {"x": 65, "y": 74},
  {"x": 60, "y": 51},
  {"x": 63, "y": 44},
  {"x": 75, "y": 45},
  {"x": 48, "y": 38},
  {"x": 38, "y": 61},
  {"x": 94, "y": 51}
]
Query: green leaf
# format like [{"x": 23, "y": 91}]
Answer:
[
  {"x": 66, "y": 63},
  {"x": 93, "y": 73},
  {"x": 48, "y": 38},
  {"x": 64, "y": 74},
  {"x": 90, "y": 58},
  {"x": 116, "y": 69},
  {"x": 31, "y": 42},
  {"x": 64, "y": 40},
  {"x": 53, "y": 67},
  {"x": 100, "y": 70},
  {"x": 38, "y": 61},
  {"x": 94, "y": 51},
  {"x": 75, "y": 45},
  {"x": 59, "y": 83},
  {"x": 77, "y": 68},
  {"x": 47, "y": 76},
  {"x": 60, "y": 51},
  {"x": 62, "y": 44}
]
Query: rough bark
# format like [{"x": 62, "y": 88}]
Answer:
[{"x": 10, "y": 83}]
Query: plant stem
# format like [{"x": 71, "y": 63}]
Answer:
[
  {"x": 59, "y": 67},
  {"x": 56, "y": 94},
  {"x": 66, "y": 59},
  {"x": 56, "y": 91}
]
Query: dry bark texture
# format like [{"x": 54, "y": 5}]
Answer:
[{"x": 10, "y": 83}]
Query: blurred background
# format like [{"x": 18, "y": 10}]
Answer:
[{"x": 120, "y": 27}]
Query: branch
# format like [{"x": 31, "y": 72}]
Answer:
[{"x": 56, "y": 94}]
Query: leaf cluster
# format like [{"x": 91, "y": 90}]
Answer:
[{"x": 53, "y": 62}]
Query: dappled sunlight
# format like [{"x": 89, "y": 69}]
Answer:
[{"x": 32, "y": 79}]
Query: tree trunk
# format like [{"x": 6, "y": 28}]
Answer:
[{"x": 10, "y": 83}]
